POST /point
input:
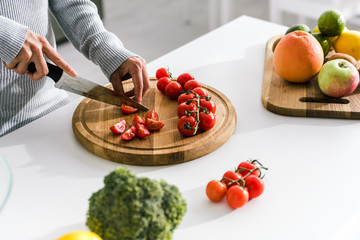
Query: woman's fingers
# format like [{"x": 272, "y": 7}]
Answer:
[{"x": 33, "y": 50}]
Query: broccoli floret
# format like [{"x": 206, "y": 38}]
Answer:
[{"x": 129, "y": 208}]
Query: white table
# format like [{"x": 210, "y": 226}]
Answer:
[{"x": 312, "y": 186}]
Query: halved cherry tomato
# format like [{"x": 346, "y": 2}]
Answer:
[
  {"x": 200, "y": 91},
  {"x": 237, "y": 196},
  {"x": 189, "y": 85},
  {"x": 162, "y": 72},
  {"x": 153, "y": 125},
  {"x": 185, "y": 97},
  {"x": 244, "y": 168},
  {"x": 209, "y": 105},
  {"x": 152, "y": 115},
  {"x": 232, "y": 176},
  {"x": 119, "y": 127},
  {"x": 186, "y": 125},
  {"x": 127, "y": 109},
  {"x": 254, "y": 185},
  {"x": 216, "y": 190},
  {"x": 183, "y": 107},
  {"x": 173, "y": 90},
  {"x": 137, "y": 119},
  {"x": 183, "y": 78},
  {"x": 129, "y": 134},
  {"x": 207, "y": 120},
  {"x": 162, "y": 83},
  {"x": 141, "y": 131}
]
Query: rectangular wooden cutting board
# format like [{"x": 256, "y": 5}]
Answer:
[{"x": 302, "y": 100}]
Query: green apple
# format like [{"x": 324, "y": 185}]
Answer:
[{"x": 338, "y": 78}]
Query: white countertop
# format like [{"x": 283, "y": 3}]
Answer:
[{"x": 312, "y": 186}]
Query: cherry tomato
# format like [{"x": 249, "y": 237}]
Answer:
[
  {"x": 141, "y": 131},
  {"x": 191, "y": 84},
  {"x": 185, "y": 97},
  {"x": 232, "y": 176},
  {"x": 237, "y": 196},
  {"x": 129, "y": 134},
  {"x": 184, "y": 123},
  {"x": 127, "y": 109},
  {"x": 119, "y": 127},
  {"x": 162, "y": 83},
  {"x": 162, "y": 72},
  {"x": 209, "y": 105},
  {"x": 207, "y": 121},
  {"x": 137, "y": 119},
  {"x": 152, "y": 115},
  {"x": 153, "y": 125},
  {"x": 249, "y": 166},
  {"x": 173, "y": 90},
  {"x": 200, "y": 91},
  {"x": 186, "y": 107},
  {"x": 215, "y": 190},
  {"x": 183, "y": 78},
  {"x": 254, "y": 185}
]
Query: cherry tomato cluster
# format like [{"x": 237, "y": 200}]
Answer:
[
  {"x": 195, "y": 109},
  {"x": 239, "y": 186},
  {"x": 139, "y": 127}
]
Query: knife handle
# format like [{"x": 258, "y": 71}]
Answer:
[{"x": 54, "y": 71}]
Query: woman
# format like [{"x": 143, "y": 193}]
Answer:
[{"x": 26, "y": 36}]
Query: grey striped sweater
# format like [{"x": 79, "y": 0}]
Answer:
[{"x": 23, "y": 100}]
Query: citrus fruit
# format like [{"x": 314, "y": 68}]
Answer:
[
  {"x": 80, "y": 235},
  {"x": 349, "y": 42},
  {"x": 325, "y": 44},
  {"x": 301, "y": 27},
  {"x": 316, "y": 30},
  {"x": 298, "y": 57},
  {"x": 331, "y": 23},
  {"x": 330, "y": 39}
]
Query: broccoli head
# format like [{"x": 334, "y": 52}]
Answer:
[{"x": 129, "y": 208}]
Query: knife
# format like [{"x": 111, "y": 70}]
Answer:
[{"x": 86, "y": 88}]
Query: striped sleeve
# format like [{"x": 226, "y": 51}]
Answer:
[
  {"x": 12, "y": 37},
  {"x": 82, "y": 25}
]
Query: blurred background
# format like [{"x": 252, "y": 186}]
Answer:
[{"x": 152, "y": 28}]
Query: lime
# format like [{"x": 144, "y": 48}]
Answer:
[
  {"x": 331, "y": 23},
  {"x": 325, "y": 44},
  {"x": 298, "y": 27}
]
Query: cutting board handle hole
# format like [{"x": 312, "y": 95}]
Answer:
[{"x": 324, "y": 100}]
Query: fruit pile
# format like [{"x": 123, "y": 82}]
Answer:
[
  {"x": 331, "y": 52},
  {"x": 195, "y": 110},
  {"x": 239, "y": 186}
]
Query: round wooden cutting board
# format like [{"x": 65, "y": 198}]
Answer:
[{"x": 92, "y": 120}]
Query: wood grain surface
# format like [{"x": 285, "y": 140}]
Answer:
[
  {"x": 303, "y": 100},
  {"x": 92, "y": 120}
]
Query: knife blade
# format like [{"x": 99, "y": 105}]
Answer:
[{"x": 86, "y": 88}]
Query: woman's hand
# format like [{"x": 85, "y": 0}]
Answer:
[
  {"x": 136, "y": 67},
  {"x": 33, "y": 50}
]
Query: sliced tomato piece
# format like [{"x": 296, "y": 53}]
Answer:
[
  {"x": 152, "y": 115},
  {"x": 119, "y": 127},
  {"x": 141, "y": 131},
  {"x": 153, "y": 125},
  {"x": 127, "y": 109},
  {"x": 137, "y": 119},
  {"x": 129, "y": 134}
]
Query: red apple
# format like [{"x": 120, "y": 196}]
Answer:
[{"x": 338, "y": 78}]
